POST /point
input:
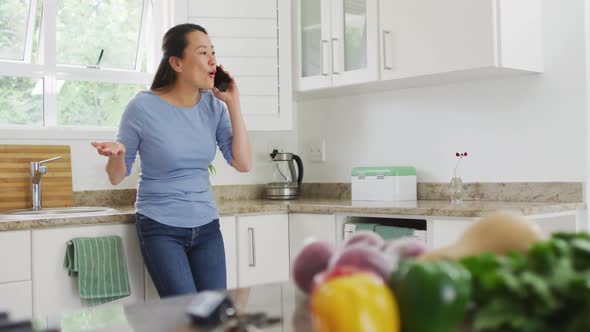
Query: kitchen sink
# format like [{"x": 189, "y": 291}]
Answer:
[{"x": 53, "y": 212}]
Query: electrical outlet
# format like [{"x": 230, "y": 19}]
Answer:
[
  {"x": 317, "y": 151},
  {"x": 272, "y": 146}
]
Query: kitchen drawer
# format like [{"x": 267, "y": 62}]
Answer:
[{"x": 15, "y": 256}]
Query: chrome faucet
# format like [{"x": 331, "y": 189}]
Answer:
[{"x": 37, "y": 170}]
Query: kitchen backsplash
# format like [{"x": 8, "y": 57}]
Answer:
[{"x": 558, "y": 192}]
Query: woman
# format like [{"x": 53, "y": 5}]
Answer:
[{"x": 175, "y": 128}]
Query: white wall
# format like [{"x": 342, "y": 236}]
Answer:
[{"x": 529, "y": 128}]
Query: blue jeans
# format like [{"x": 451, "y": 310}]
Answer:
[{"x": 182, "y": 260}]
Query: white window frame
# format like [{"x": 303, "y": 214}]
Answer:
[
  {"x": 50, "y": 72},
  {"x": 30, "y": 29}
]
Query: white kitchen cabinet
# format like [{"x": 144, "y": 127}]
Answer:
[
  {"x": 554, "y": 223},
  {"x": 459, "y": 38},
  {"x": 337, "y": 43},
  {"x": 15, "y": 274},
  {"x": 54, "y": 292},
  {"x": 17, "y": 300},
  {"x": 414, "y": 42},
  {"x": 443, "y": 232},
  {"x": 228, "y": 231},
  {"x": 263, "y": 249},
  {"x": 305, "y": 228},
  {"x": 15, "y": 256},
  {"x": 313, "y": 56},
  {"x": 253, "y": 42}
]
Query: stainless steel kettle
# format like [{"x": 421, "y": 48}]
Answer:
[{"x": 286, "y": 182}]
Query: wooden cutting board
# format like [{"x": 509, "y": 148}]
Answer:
[{"x": 15, "y": 179}]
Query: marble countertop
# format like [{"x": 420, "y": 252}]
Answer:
[
  {"x": 466, "y": 209},
  {"x": 440, "y": 208}
]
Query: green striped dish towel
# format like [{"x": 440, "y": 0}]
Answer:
[
  {"x": 392, "y": 232},
  {"x": 365, "y": 227},
  {"x": 99, "y": 263}
]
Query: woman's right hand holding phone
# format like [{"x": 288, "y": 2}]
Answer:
[{"x": 231, "y": 96}]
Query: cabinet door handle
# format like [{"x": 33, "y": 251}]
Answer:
[
  {"x": 387, "y": 65},
  {"x": 335, "y": 53},
  {"x": 323, "y": 65},
  {"x": 252, "y": 262}
]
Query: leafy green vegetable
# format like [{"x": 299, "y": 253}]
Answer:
[
  {"x": 546, "y": 290},
  {"x": 212, "y": 169}
]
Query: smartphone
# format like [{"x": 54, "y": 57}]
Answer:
[
  {"x": 211, "y": 308},
  {"x": 222, "y": 79}
]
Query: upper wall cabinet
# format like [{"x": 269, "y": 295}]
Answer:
[
  {"x": 426, "y": 37},
  {"x": 253, "y": 42},
  {"x": 419, "y": 42},
  {"x": 338, "y": 42}
]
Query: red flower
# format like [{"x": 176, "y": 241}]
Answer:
[{"x": 460, "y": 155}]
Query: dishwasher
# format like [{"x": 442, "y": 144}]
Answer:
[{"x": 387, "y": 228}]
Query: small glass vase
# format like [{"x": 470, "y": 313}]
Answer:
[{"x": 456, "y": 190}]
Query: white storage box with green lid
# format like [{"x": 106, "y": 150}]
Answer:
[{"x": 387, "y": 183}]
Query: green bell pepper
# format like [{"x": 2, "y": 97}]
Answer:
[{"x": 432, "y": 295}]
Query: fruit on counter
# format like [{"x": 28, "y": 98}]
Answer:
[
  {"x": 432, "y": 296},
  {"x": 365, "y": 237},
  {"x": 364, "y": 250},
  {"x": 498, "y": 233},
  {"x": 406, "y": 247},
  {"x": 397, "y": 250},
  {"x": 364, "y": 257},
  {"x": 359, "y": 302},
  {"x": 337, "y": 271},
  {"x": 312, "y": 258}
]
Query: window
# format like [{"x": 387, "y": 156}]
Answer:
[
  {"x": 19, "y": 105},
  {"x": 72, "y": 63},
  {"x": 87, "y": 28},
  {"x": 14, "y": 22},
  {"x": 93, "y": 103}
]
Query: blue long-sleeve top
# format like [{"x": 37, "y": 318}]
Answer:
[{"x": 175, "y": 145}]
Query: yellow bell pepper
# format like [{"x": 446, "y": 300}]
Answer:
[{"x": 359, "y": 302}]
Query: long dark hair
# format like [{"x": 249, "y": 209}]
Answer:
[{"x": 173, "y": 44}]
